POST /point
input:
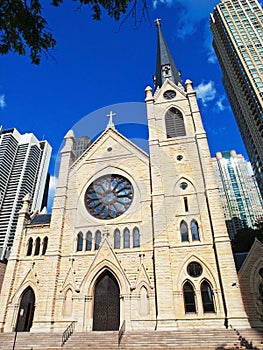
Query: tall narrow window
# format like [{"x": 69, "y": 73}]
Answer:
[
  {"x": 207, "y": 297},
  {"x": 80, "y": 242},
  {"x": 45, "y": 242},
  {"x": 126, "y": 238},
  {"x": 29, "y": 246},
  {"x": 117, "y": 239},
  {"x": 136, "y": 237},
  {"x": 185, "y": 204},
  {"x": 174, "y": 123},
  {"x": 195, "y": 230},
  {"x": 184, "y": 231},
  {"x": 189, "y": 298},
  {"x": 37, "y": 246},
  {"x": 97, "y": 239},
  {"x": 89, "y": 241}
]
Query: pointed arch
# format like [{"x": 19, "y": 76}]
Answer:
[
  {"x": 144, "y": 306},
  {"x": 97, "y": 239},
  {"x": 88, "y": 240},
  {"x": 207, "y": 297},
  {"x": 79, "y": 242},
  {"x": 136, "y": 237},
  {"x": 195, "y": 230},
  {"x": 174, "y": 123},
  {"x": 184, "y": 231},
  {"x": 37, "y": 246},
  {"x": 106, "y": 312},
  {"x": 126, "y": 238},
  {"x": 189, "y": 297},
  {"x": 68, "y": 303},
  {"x": 26, "y": 311},
  {"x": 29, "y": 246},
  {"x": 45, "y": 243},
  {"x": 117, "y": 239}
]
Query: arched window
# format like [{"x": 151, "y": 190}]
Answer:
[
  {"x": 89, "y": 241},
  {"x": 143, "y": 302},
  {"x": 174, "y": 123},
  {"x": 97, "y": 239},
  {"x": 79, "y": 242},
  {"x": 136, "y": 237},
  {"x": 37, "y": 246},
  {"x": 29, "y": 246},
  {"x": 117, "y": 239},
  {"x": 207, "y": 297},
  {"x": 195, "y": 230},
  {"x": 184, "y": 231},
  {"x": 45, "y": 242},
  {"x": 189, "y": 298},
  {"x": 126, "y": 238}
]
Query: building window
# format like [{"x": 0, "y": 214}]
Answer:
[
  {"x": 126, "y": 238},
  {"x": 29, "y": 246},
  {"x": 97, "y": 239},
  {"x": 189, "y": 298},
  {"x": 79, "y": 242},
  {"x": 207, "y": 297},
  {"x": 186, "y": 209},
  {"x": 174, "y": 123},
  {"x": 37, "y": 246},
  {"x": 45, "y": 242},
  {"x": 89, "y": 241},
  {"x": 194, "y": 269},
  {"x": 184, "y": 231},
  {"x": 117, "y": 239},
  {"x": 195, "y": 230},
  {"x": 136, "y": 237}
]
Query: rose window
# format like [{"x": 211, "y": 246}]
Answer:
[{"x": 109, "y": 196}]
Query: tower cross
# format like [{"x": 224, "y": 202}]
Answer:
[
  {"x": 158, "y": 22},
  {"x": 110, "y": 123}
]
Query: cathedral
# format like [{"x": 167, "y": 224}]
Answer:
[{"x": 133, "y": 238}]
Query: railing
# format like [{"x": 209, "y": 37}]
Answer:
[
  {"x": 67, "y": 333},
  {"x": 121, "y": 332}
]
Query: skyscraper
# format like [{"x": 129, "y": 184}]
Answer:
[
  {"x": 24, "y": 165},
  {"x": 237, "y": 31},
  {"x": 239, "y": 193}
]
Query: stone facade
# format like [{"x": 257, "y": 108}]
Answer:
[
  {"x": 2, "y": 273},
  {"x": 174, "y": 191}
]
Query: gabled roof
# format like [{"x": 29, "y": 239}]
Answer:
[{"x": 41, "y": 219}]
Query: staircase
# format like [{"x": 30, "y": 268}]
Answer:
[{"x": 201, "y": 339}]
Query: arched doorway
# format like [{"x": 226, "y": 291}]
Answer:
[
  {"x": 106, "y": 313},
  {"x": 26, "y": 311}
]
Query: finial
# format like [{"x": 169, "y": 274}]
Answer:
[
  {"x": 158, "y": 22},
  {"x": 110, "y": 123}
]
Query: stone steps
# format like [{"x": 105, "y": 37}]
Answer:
[{"x": 191, "y": 339}]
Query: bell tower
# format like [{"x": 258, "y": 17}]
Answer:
[{"x": 194, "y": 266}]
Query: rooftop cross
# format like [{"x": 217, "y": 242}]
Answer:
[
  {"x": 158, "y": 22},
  {"x": 110, "y": 123}
]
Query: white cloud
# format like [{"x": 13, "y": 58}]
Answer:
[
  {"x": 2, "y": 101},
  {"x": 206, "y": 92},
  {"x": 51, "y": 192}
]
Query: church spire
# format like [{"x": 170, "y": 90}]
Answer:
[{"x": 165, "y": 67}]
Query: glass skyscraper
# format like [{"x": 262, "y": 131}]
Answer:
[
  {"x": 239, "y": 192},
  {"x": 24, "y": 165},
  {"x": 237, "y": 28}
]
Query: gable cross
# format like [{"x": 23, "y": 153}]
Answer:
[{"x": 110, "y": 123}]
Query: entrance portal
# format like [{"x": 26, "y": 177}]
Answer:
[
  {"x": 26, "y": 311},
  {"x": 106, "y": 315}
]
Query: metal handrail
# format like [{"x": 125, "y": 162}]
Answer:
[
  {"x": 68, "y": 332},
  {"x": 121, "y": 332}
]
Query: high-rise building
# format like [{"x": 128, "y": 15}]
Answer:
[
  {"x": 237, "y": 31},
  {"x": 81, "y": 144},
  {"x": 241, "y": 200},
  {"x": 24, "y": 165}
]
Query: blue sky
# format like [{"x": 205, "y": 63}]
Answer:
[{"x": 96, "y": 64}]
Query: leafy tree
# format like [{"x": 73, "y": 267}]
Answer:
[
  {"x": 22, "y": 26},
  {"x": 245, "y": 237}
]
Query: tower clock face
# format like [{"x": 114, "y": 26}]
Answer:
[
  {"x": 169, "y": 94},
  {"x": 108, "y": 196}
]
